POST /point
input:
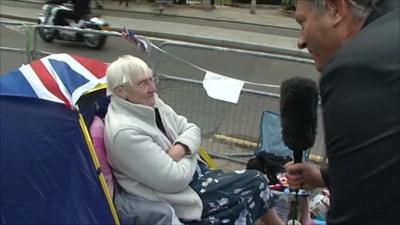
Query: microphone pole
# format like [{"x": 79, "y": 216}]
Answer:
[{"x": 298, "y": 106}]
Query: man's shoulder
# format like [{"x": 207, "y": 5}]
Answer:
[{"x": 375, "y": 43}]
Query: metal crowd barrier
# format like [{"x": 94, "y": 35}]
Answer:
[{"x": 229, "y": 131}]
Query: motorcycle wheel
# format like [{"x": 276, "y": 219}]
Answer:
[
  {"x": 95, "y": 41},
  {"x": 46, "y": 34}
]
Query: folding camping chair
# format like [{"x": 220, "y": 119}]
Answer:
[
  {"x": 150, "y": 211},
  {"x": 270, "y": 140},
  {"x": 93, "y": 106}
]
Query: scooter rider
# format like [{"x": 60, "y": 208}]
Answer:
[{"x": 80, "y": 10}]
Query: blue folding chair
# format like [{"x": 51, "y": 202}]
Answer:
[{"x": 270, "y": 140}]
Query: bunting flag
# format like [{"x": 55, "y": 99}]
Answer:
[
  {"x": 222, "y": 87},
  {"x": 142, "y": 43},
  {"x": 61, "y": 78}
]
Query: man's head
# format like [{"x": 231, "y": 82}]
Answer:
[
  {"x": 131, "y": 79},
  {"x": 327, "y": 24}
]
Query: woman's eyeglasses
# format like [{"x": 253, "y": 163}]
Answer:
[{"x": 147, "y": 82}]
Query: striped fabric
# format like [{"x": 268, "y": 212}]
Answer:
[{"x": 61, "y": 78}]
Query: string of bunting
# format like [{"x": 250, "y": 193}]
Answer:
[
  {"x": 144, "y": 45},
  {"x": 216, "y": 85}
]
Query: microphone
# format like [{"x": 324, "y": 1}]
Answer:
[{"x": 298, "y": 109}]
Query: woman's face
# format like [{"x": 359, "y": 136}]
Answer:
[{"x": 142, "y": 91}]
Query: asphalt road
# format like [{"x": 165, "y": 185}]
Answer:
[{"x": 257, "y": 28}]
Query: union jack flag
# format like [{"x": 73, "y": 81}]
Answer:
[{"x": 61, "y": 78}]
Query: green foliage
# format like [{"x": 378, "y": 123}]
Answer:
[
  {"x": 223, "y": 2},
  {"x": 289, "y": 4}
]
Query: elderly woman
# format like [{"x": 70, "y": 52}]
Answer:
[{"x": 154, "y": 155}]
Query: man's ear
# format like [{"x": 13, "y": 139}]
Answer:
[{"x": 338, "y": 10}]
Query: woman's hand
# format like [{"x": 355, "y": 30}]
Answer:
[{"x": 177, "y": 152}]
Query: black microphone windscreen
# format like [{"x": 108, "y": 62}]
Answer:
[{"x": 298, "y": 109}]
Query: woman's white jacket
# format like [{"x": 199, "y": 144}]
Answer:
[{"x": 136, "y": 150}]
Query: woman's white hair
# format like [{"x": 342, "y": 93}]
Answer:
[{"x": 126, "y": 69}]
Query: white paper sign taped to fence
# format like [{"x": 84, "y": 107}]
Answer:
[{"x": 222, "y": 88}]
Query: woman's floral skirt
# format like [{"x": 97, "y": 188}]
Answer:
[{"x": 239, "y": 197}]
